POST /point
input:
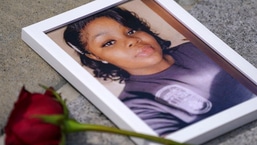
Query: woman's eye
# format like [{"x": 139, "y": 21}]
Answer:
[
  {"x": 109, "y": 43},
  {"x": 131, "y": 32}
]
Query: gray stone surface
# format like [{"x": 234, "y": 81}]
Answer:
[
  {"x": 234, "y": 21},
  {"x": 84, "y": 112},
  {"x": 187, "y": 4},
  {"x": 19, "y": 64}
]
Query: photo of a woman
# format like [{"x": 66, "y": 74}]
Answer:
[{"x": 167, "y": 87}]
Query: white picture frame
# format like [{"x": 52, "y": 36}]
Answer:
[{"x": 36, "y": 36}]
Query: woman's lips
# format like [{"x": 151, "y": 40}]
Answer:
[{"x": 145, "y": 51}]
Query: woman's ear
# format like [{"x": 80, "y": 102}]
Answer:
[{"x": 92, "y": 56}]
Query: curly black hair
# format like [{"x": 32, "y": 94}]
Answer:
[{"x": 126, "y": 18}]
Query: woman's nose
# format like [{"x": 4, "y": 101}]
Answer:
[{"x": 132, "y": 41}]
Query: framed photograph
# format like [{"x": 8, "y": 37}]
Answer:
[{"x": 150, "y": 67}]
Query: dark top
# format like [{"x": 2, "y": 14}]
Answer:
[{"x": 193, "y": 88}]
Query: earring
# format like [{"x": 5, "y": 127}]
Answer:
[
  {"x": 75, "y": 48},
  {"x": 105, "y": 62}
]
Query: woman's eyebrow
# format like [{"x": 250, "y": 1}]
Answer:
[
  {"x": 100, "y": 34},
  {"x": 105, "y": 32}
]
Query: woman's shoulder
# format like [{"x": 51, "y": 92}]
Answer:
[
  {"x": 185, "y": 45},
  {"x": 186, "y": 48},
  {"x": 188, "y": 52}
]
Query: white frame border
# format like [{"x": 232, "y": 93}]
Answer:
[{"x": 34, "y": 35}]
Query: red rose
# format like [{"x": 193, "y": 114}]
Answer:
[
  {"x": 24, "y": 128},
  {"x": 43, "y": 119}
]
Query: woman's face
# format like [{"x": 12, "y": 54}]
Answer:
[{"x": 137, "y": 52}]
